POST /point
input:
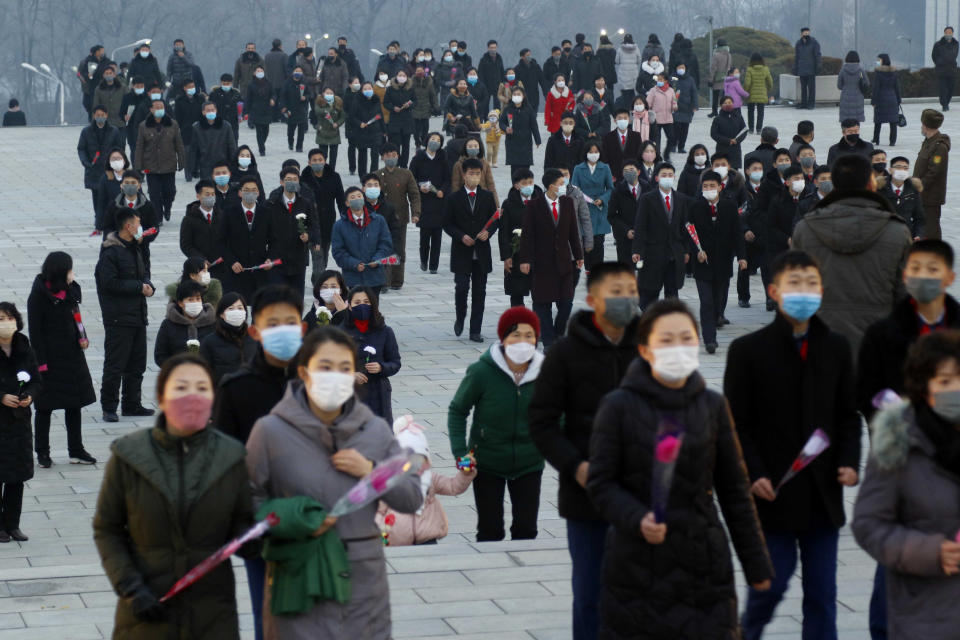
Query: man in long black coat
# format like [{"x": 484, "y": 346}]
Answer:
[
  {"x": 622, "y": 212},
  {"x": 549, "y": 250},
  {"x": 620, "y": 144},
  {"x": 490, "y": 69},
  {"x": 465, "y": 215},
  {"x": 783, "y": 382},
  {"x": 660, "y": 248},
  {"x": 242, "y": 241},
  {"x": 293, "y": 230}
]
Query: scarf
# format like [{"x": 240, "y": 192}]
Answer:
[{"x": 944, "y": 436}]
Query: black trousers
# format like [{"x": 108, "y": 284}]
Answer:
[
  {"x": 41, "y": 429},
  {"x": 808, "y": 91},
  {"x": 488, "y": 492},
  {"x": 421, "y": 126},
  {"x": 430, "y": 241},
  {"x": 666, "y": 279},
  {"x": 373, "y": 153},
  {"x": 595, "y": 255},
  {"x": 352, "y": 156},
  {"x": 292, "y": 280},
  {"x": 756, "y": 259},
  {"x": 680, "y": 131},
  {"x": 945, "y": 84},
  {"x": 715, "y": 100},
  {"x": 667, "y": 129},
  {"x": 163, "y": 189},
  {"x": 758, "y": 106},
  {"x": 301, "y": 129},
  {"x": 330, "y": 153},
  {"x": 11, "y": 504},
  {"x": 893, "y": 132},
  {"x": 97, "y": 215},
  {"x": 625, "y": 251},
  {"x": 402, "y": 140},
  {"x": 552, "y": 328},
  {"x": 476, "y": 278},
  {"x": 124, "y": 361},
  {"x": 627, "y": 96},
  {"x": 263, "y": 130},
  {"x": 713, "y": 302}
]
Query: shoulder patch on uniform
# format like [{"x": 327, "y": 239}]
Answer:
[{"x": 937, "y": 159}]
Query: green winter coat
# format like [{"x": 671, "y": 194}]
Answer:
[
  {"x": 327, "y": 133},
  {"x": 165, "y": 504},
  {"x": 758, "y": 83},
  {"x": 499, "y": 436}
]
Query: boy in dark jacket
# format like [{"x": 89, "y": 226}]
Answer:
[
  {"x": 717, "y": 225},
  {"x": 293, "y": 228},
  {"x": 905, "y": 194},
  {"x": 622, "y": 212},
  {"x": 198, "y": 229},
  {"x": 784, "y": 381},
  {"x": 226, "y": 97},
  {"x": 565, "y": 146},
  {"x": 582, "y": 367},
  {"x": 188, "y": 321}
]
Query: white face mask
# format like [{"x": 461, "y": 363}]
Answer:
[
  {"x": 330, "y": 389},
  {"x": 235, "y": 317},
  {"x": 562, "y": 190},
  {"x": 710, "y": 194},
  {"x": 7, "y": 328},
  {"x": 666, "y": 182},
  {"x": 674, "y": 364},
  {"x": 638, "y": 108},
  {"x": 593, "y": 157},
  {"x": 204, "y": 278},
  {"x": 798, "y": 185},
  {"x": 561, "y": 84},
  {"x": 193, "y": 309},
  {"x": 699, "y": 160},
  {"x": 520, "y": 352},
  {"x": 327, "y": 295},
  {"x": 259, "y": 74},
  {"x": 722, "y": 171},
  {"x": 517, "y": 99},
  {"x": 623, "y": 124},
  {"x": 900, "y": 174},
  {"x": 116, "y": 165},
  {"x": 383, "y": 77}
]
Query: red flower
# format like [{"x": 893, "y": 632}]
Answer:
[
  {"x": 76, "y": 317},
  {"x": 668, "y": 449},
  {"x": 797, "y": 465}
]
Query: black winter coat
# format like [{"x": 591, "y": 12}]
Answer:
[
  {"x": 844, "y": 148},
  {"x": 944, "y": 56},
  {"x": 458, "y": 109},
  {"x": 523, "y": 121},
  {"x": 248, "y": 394},
  {"x": 186, "y": 111},
  {"x": 908, "y": 205},
  {"x": 285, "y": 242},
  {"x": 56, "y": 343},
  {"x": 682, "y": 589},
  {"x": 377, "y": 391},
  {"x": 883, "y": 350},
  {"x": 107, "y": 191},
  {"x": 328, "y": 197},
  {"x": 459, "y": 220},
  {"x": 689, "y": 182},
  {"x": 120, "y": 274},
  {"x": 398, "y": 96},
  {"x": 212, "y": 144},
  {"x": 778, "y": 221},
  {"x": 531, "y": 76},
  {"x": 578, "y": 371},
  {"x": 147, "y": 68},
  {"x": 560, "y": 153},
  {"x": 778, "y": 399},
  {"x": 238, "y": 242},
  {"x": 198, "y": 238},
  {"x": 658, "y": 239},
  {"x": 550, "y": 248},
  {"x": 226, "y": 348},
  {"x": 614, "y": 155},
  {"x": 513, "y": 211},
  {"x": 227, "y": 102},
  {"x": 435, "y": 171},
  {"x": 16, "y": 432},
  {"x": 94, "y": 147},
  {"x": 550, "y": 71},
  {"x": 591, "y": 122},
  {"x": 722, "y": 240},
  {"x": 295, "y": 100},
  {"x": 361, "y": 110},
  {"x": 177, "y": 328},
  {"x": 885, "y": 96},
  {"x": 585, "y": 71},
  {"x": 490, "y": 70},
  {"x": 622, "y": 212},
  {"x": 764, "y": 153},
  {"x": 607, "y": 55},
  {"x": 256, "y": 101},
  {"x": 727, "y": 126}
]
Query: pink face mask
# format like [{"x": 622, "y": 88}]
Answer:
[{"x": 189, "y": 413}]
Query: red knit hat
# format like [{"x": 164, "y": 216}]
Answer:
[{"x": 514, "y": 316}]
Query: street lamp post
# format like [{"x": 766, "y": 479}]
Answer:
[
  {"x": 141, "y": 41},
  {"x": 909, "y": 51},
  {"x": 709, "y": 19},
  {"x": 48, "y": 74}
]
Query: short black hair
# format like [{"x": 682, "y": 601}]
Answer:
[
  {"x": 937, "y": 247},
  {"x": 315, "y": 152},
  {"x": 819, "y": 171},
  {"x": 656, "y": 311},
  {"x": 782, "y": 151},
  {"x": 220, "y": 163},
  {"x": 204, "y": 183},
  {"x": 851, "y": 172},
  {"x": 490, "y": 42},
  {"x": 896, "y": 159},
  {"x": 226, "y": 77},
  {"x": 620, "y": 110},
  {"x": 567, "y": 114},
  {"x": 769, "y": 135},
  {"x": 710, "y": 175},
  {"x": 276, "y": 294},
  {"x": 550, "y": 176},
  {"x": 600, "y": 272},
  {"x": 171, "y": 363},
  {"x": 630, "y": 161},
  {"x": 470, "y": 164},
  {"x": 793, "y": 259},
  {"x": 389, "y": 147},
  {"x": 289, "y": 170},
  {"x": 924, "y": 358},
  {"x": 804, "y": 147},
  {"x": 123, "y": 215},
  {"x": 10, "y": 309},
  {"x": 189, "y": 288},
  {"x": 876, "y": 151},
  {"x": 720, "y": 155},
  {"x": 322, "y": 335},
  {"x": 793, "y": 170},
  {"x": 804, "y": 127},
  {"x": 13, "y": 103},
  {"x": 192, "y": 266},
  {"x": 249, "y": 180},
  {"x": 132, "y": 173},
  {"x": 521, "y": 174},
  {"x": 664, "y": 165},
  {"x": 100, "y": 107},
  {"x": 370, "y": 176}
]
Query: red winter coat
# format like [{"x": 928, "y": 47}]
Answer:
[{"x": 557, "y": 104}]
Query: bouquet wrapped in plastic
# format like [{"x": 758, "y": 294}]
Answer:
[
  {"x": 816, "y": 444},
  {"x": 371, "y": 487},
  {"x": 669, "y": 440}
]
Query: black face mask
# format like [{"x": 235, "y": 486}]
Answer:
[
  {"x": 852, "y": 138},
  {"x": 879, "y": 167},
  {"x": 342, "y": 47}
]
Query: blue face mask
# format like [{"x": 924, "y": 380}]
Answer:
[
  {"x": 138, "y": 91},
  {"x": 221, "y": 180},
  {"x": 659, "y": 83},
  {"x": 800, "y": 306},
  {"x": 211, "y": 115},
  {"x": 526, "y": 190},
  {"x": 372, "y": 193},
  {"x": 472, "y": 79},
  {"x": 368, "y": 93},
  {"x": 282, "y": 342},
  {"x": 328, "y": 98},
  {"x": 159, "y": 113},
  {"x": 191, "y": 92},
  {"x": 360, "y": 312},
  {"x": 511, "y": 77}
]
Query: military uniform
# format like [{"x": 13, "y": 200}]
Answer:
[{"x": 931, "y": 169}]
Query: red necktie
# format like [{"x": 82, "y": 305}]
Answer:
[
  {"x": 472, "y": 194},
  {"x": 634, "y": 191},
  {"x": 623, "y": 140},
  {"x": 290, "y": 207},
  {"x": 249, "y": 216},
  {"x": 898, "y": 193},
  {"x": 525, "y": 201},
  {"x": 667, "y": 198},
  {"x": 209, "y": 218},
  {"x": 713, "y": 211},
  {"x": 556, "y": 214},
  {"x": 130, "y": 204},
  {"x": 568, "y": 141}
]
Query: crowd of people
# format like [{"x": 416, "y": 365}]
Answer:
[{"x": 268, "y": 407}]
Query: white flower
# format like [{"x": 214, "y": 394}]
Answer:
[
  {"x": 193, "y": 343},
  {"x": 23, "y": 376},
  {"x": 517, "y": 232},
  {"x": 301, "y": 216},
  {"x": 370, "y": 350},
  {"x": 323, "y": 311}
]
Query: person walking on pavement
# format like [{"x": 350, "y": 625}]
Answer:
[
  {"x": 160, "y": 154},
  {"x": 931, "y": 168},
  {"x": 944, "y": 57},
  {"x": 97, "y": 139},
  {"x": 806, "y": 65},
  {"x": 720, "y": 63},
  {"x": 401, "y": 190}
]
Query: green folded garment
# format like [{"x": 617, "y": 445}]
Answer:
[{"x": 306, "y": 570}]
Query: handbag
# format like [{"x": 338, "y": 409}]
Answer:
[{"x": 901, "y": 119}]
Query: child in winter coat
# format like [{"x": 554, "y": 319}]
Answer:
[
  {"x": 429, "y": 523},
  {"x": 493, "y": 136},
  {"x": 733, "y": 88}
]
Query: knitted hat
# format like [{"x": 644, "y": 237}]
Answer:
[
  {"x": 410, "y": 435},
  {"x": 931, "y": 118},
  {"x": 514, "y": 316}
]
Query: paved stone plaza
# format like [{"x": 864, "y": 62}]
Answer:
[{"x": 53, "y": 585}]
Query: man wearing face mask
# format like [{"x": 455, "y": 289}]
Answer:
[
  {"x": 213, "y": 142},
  {"x": 160, "y": 154},
  {"x": 565, "y": 146},
  {"x": 252, "y": 391},
  {"x": 198, "y": 229},
  {"x": 850, "y": 143},
  {"x": 244, "y": 66},
  {"x": 530, "y": 76},
  {"x": 818, "y": 189},
  {"x": 349, "y": 57},
  {"x": 944, "y": 57},
  {"x": 335, "y": 74},
  {"x": 361, "y": 238},
  {"x": 123, "y": 285},
  {"x": 391, "y": 63},
  {"x": 806, "y": 64},
  {"x": 769, "y": 138},
  {"x": 399, "y": 100},
  {"x": 326, "y": 187},
  {"x": 93, "y": 149},
  {"x": 621, "y": 143},
  {"x": 401, "y": 191},
  {"x": 782, "y": 382},
  {"x": 622, "y": 213},
  {"x": 862, "y": 242},
  {"x": 89, "y": 71},
  {"x": 931, "y": 168},
  {"x": 242, "y": 238},
  {"x": 129, "y": 107},
  {"x": 145, "y": 65},
  {"x": 905, "y": 193},
  {"x": 188, "y": 318},
  {"x": 579, "y": 369},
  {"x": 110, "y": 93},
  {"x": 585, "y": 70},
  {"x": 179, "y": 69},
  {"x": 490, "y": 71},
  {"x": 187, "y": 112},
  {"x": 293, "y": 230}
]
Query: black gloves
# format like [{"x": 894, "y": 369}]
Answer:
[{"x": 145, "y": 605}]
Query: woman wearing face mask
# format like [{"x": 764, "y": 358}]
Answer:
[
  {"x": 647, "y": 79},
  {"x": 366, "y": 116},
  {"x": 559, "y": 100},
  {"x": 728, "y": 130},
  {"x": 171, "y": 496},
  {"x": 329, "y": 293},
  {"x": 429, "y": 168},
  {"x": 189, "y": 319},
  {"x": 399, "y": 101},
  {"x": 352, "y": 130},
  {"x": 649, "y": 159},
  {"x": 497, "y": 389},
  {"x": 663, "y": 102},
  {"x": 885, "y": 99},
  {"x": 853, "y": 84},
  {"x": 689, "y": 183},
  {"x": 317, "y": 442},
  {"x": 640, "y": 117},
  {"x": 195, "y": 269},
  {"x": 378, "y": 355},
  {"x": 519, "y": 124},
  {"x": 908, "y": 509},
  {"x": 108, "y": 188},
  {"x": 243, "y": 166},
  {"x": 505, "y": 90},
  {"x": 258, "y": 105},
  {"x": 229, "y": 345},
  {"x": 460, "y": 108},
  {"x": 447, "y": 73},
  {"x": 424, "y": 104},
  {"x": 473, "y": 149},
  {"x": 330, "y": 118},
  {"x": 759, "y": 84},
  {"x": 360, "y": 239},
  {"x": 294, "y": 104},
  {"x": 594, "y": 179},
  {"x": 674, "y": 573},
  {"x": 53, "y": 309}
]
